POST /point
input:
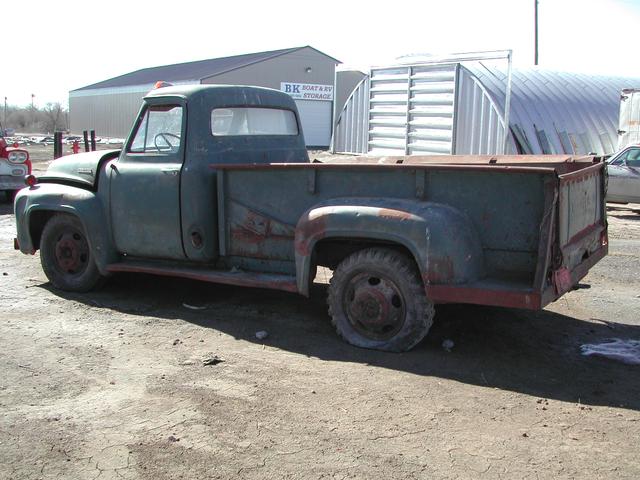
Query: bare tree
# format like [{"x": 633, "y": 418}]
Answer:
[{"x": 54, "y": 117}]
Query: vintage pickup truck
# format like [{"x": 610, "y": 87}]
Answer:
[{"x": 214, "y": 183}]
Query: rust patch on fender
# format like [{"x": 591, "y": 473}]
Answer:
[
  {"x": 440, "y": 271},
  {"x": 306, "y": 231}
]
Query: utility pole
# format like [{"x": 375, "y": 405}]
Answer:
[
  {"x": 32, "y": 97},
  {"x": 535, "y": 55}
]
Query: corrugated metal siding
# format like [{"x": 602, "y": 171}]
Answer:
[
  {"x": 411, "y": 110},
  {"x": 479, "y": 121},
  {"x": 557, "y": 112},
  {"x": 551, "y": 112},
  {"x": 351, "y": 130},
  {"x": 110, "y": 114},
  {"x": 431, "y": 112}
]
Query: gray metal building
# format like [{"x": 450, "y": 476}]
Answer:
[
  {"x": 110, "y": 106},
  {"x": 459, "y": 108}
]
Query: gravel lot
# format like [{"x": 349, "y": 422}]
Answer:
[{"x": 112, "y": 384}]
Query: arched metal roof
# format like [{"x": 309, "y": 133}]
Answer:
[
  {"x": 551, "y": 112},
  {"x": 558, "y": 112}
]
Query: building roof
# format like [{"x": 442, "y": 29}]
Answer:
[
  {"x": 196, "y": 71},
  {"x": 558, "y": 112}
]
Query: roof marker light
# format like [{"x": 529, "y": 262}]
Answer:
[{"x": 160, "y": 84}]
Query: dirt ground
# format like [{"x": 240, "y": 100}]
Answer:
[{"x": 112, "y": 384}]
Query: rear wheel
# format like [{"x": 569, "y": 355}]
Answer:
[
  {"x": 377, "y": 300},
  {"x": 66, "y": 256}
]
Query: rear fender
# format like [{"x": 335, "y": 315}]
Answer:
[
  {"x": 54, "y": 198},
  {"x": 442, "y": 239}
]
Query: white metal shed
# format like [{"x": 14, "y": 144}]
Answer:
[{"x": 459, "y": 108}]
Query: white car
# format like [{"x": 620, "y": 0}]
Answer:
[
  {"x": 14, "y": 167},
  {"x": 624, "y": 176}
]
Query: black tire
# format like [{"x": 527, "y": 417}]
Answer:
[
  {"x": 10, "y": 195},
  {"x": 65, "y": 255},
  {"x": 377, "y": 301}
]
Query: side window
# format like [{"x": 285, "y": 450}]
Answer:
[
  {"x": 633, "y": 158},
  {"x": 617, "y": 161},
  {"x": 253, "y": 121},
  {"x": 159, "y": 131}
]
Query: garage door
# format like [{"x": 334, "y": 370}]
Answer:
[{"x": 316, "y": 122}]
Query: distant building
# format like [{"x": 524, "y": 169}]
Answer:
[
  {"x": 110, "y": 107},
  {"x": 458, "y": 108}
]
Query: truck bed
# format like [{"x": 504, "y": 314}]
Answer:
[{"x": 541, "y": 224}]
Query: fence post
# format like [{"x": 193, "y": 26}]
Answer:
[
  {"x": 57, "y": 145},
  {"x": 85, "y": 136},
  {"x": 93, "y": 140}
]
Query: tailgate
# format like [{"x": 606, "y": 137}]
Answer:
[{"x": 582, "y": 231}]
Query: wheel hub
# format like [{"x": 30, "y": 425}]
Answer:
[
  {"x": 374, "y": 306},
  {"x": 71, "y": 252}
]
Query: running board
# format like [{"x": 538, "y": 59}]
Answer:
[{"x": 240, "y": 278}]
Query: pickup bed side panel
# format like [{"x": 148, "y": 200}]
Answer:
[
  {"x": 441, "y": 239},
  {"x": 84, "y": 204},
  {"x": 262, "y": 205}
]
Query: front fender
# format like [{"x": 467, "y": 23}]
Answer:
[
  {"x": 442, "y": 239},
  {"x": 84, "y": 204}
]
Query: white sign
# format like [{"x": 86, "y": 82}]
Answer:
[{"x": 308, "y": 91}]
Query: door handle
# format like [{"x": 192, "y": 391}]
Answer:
[{"x": 170, "y": 171}]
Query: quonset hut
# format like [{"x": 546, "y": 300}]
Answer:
[{"x": 459, "y": 108}]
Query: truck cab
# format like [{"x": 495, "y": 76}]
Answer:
[{"x": 228, "y": 125}]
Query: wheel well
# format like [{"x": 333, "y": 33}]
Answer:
[
  {"x": 330, "y": 252},
  {"x": 37, "y": 221}
]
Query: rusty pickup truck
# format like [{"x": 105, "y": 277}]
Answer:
[{"x": 214, "y": 183}]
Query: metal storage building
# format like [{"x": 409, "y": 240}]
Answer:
[
  {"x": 459, "y": 108},
  {"x": 110, "y": 106}
]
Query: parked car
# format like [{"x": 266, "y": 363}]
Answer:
[
  {"x": 46, "y": 141},
  {"x": 624, "y": 175},
  {"x": 73, "y": 138},
  {"x": 14, "y": 167}
]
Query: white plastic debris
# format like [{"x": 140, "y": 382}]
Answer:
[
  {"x": 193, "y": 307},
  {"x": 447, "y": 344},
  {"x": 262, "y": 334},
  {"x": 625, "y": 351}
]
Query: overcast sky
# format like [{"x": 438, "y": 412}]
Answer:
[{"x": 53, "y": 47}]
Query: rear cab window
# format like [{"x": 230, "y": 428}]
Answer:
[{"x": 236, "y": 121}]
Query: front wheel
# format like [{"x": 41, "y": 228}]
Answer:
[
  {"x": 377, "y": 300},
  {"x": 66, "y": 256}
]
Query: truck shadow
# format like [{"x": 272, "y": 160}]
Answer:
[
  {"x": 6, "y": 206},
  {"x": 534, "y": 353}
]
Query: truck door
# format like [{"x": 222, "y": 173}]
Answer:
[{"x": 145, "y": 184}]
